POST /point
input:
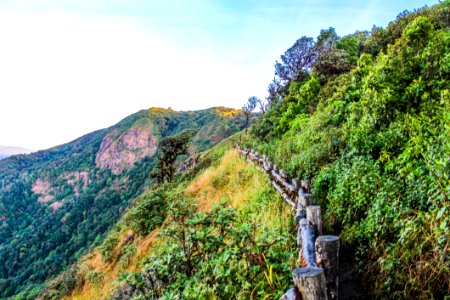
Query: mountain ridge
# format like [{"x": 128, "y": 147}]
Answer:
[
  {"x": 58, "y": 202},
  {"x": 6, "y": 151}
]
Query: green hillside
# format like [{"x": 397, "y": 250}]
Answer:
[
  {"x": 56, "y": 204},
  {"x": 217, "y": 231},
  {"x": 368, "y": 123},
  {"x": 364, "y": 117}
]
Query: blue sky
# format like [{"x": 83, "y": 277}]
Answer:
[{"x": 71, "y": 67}]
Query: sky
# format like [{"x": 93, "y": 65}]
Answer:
[{"x": 69, "y": 67}]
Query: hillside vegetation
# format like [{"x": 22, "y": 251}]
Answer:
[
  {"x": 367, "y": 121},
  {"x": 57, "y": 204},
  {"x": 219, "y": 231},
  {"x": 365, "y": 117}
]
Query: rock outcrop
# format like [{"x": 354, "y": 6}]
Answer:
[{"x": 120, "y": 151}]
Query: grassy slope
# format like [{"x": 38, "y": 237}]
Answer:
[
  {"x": 230, "y": 177},
  {"x": 50, "y": 240}
]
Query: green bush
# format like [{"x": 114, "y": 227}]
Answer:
[
  {"x": 215, "y": 254},
  {"x": 376, "y": 148},
  {"x": 126, "y": 255},
  {"x": 95, "y": 278},
  {"x": 148, "y": 212},
  {"x": 108, "y": 245}
]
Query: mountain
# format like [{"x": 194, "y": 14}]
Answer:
[
  {"x": 56, "y": 204},
  {"x": 365, "y": 119},
  {"x": 6, "y": 151}
]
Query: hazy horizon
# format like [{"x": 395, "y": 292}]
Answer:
[{"x": 73, "y": 67}]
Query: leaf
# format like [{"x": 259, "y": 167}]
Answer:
[{"x": 441, "y": 212}]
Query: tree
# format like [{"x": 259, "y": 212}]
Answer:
[
  {"x": 275, "y": 90},
  {"x": 330, "y": 61},
  {"x": 327, "y": 38},
  {"x": 169, "y": 149},
  {"x": 297, "y": 61},
  {"x": 248, "y": 108}
]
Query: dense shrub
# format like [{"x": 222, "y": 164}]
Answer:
[
  {"x": 376, "y": 148},
  {"x": 215, "y": 254},
  {"x": 148, "y": 213}
]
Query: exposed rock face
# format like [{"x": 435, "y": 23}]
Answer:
[
  {"x": 118, "y": 152},
  {"x": 46, "y": 191},
  {"x": 56, "y": 205},
  {"x": 74, "y": 177},
  {"x": 43, "y": 188}
]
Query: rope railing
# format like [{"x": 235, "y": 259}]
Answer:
[{"x": 319, "y": 254}]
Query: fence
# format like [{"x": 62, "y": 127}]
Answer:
[{"x": 319, "y": 254}]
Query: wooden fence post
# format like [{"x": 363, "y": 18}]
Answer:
[
  {"x": 304, "y": 200},
  {"x": 291, "y": 294},
  {"x": 310, "y": 281},
  {"x": 327, "y": 257},
  {"x": 314, "y": 217},
  {"x": 308, "y": 239},
  {"x": 296, "y": 184},
  {"x": 319, "y": 279},
  {"x": 305, "y": 185},
  {"x": 284, "y": 174}
]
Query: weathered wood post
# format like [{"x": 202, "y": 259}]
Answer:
[
  {"x": 304, "y": 200},
  {"x": 314, "y": 217},
  {"x": 308, "y": 239},
  {"x": 305, "y": 185},
  {"x": 327, "y": 257},
  {"x": 275, "y": 168},
  {"x": 284, "y": 174},
  {"x": 296, "y": 183},
  {"x": 310, "y": 281},
  {"x": 291, "y": 294}
]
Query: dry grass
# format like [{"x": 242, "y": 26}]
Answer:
[
  {"x": 227, "y": 112},
  {"x": 232, "y": 178},
  {"x": 94, "y": 262}
]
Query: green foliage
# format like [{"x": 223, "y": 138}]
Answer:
[
  {"x": 62, "y": 285},
  {"x": 148, "y": 213},
  {"x": 95, "y": 278},
  {"x": 169, "y": 149},
  {"x": 107, "y": 247},
  {"x": 126, "y": 255},
  {"x": 38, "y": 242},
  {"x": 222, "y": 254},
  {"x": 304, "y": 96},
  {"x": 376, "y": 148}
]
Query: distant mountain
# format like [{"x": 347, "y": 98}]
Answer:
[
  {"x": 6, "y": 151},
  {"x": 55, "y": 204}
]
